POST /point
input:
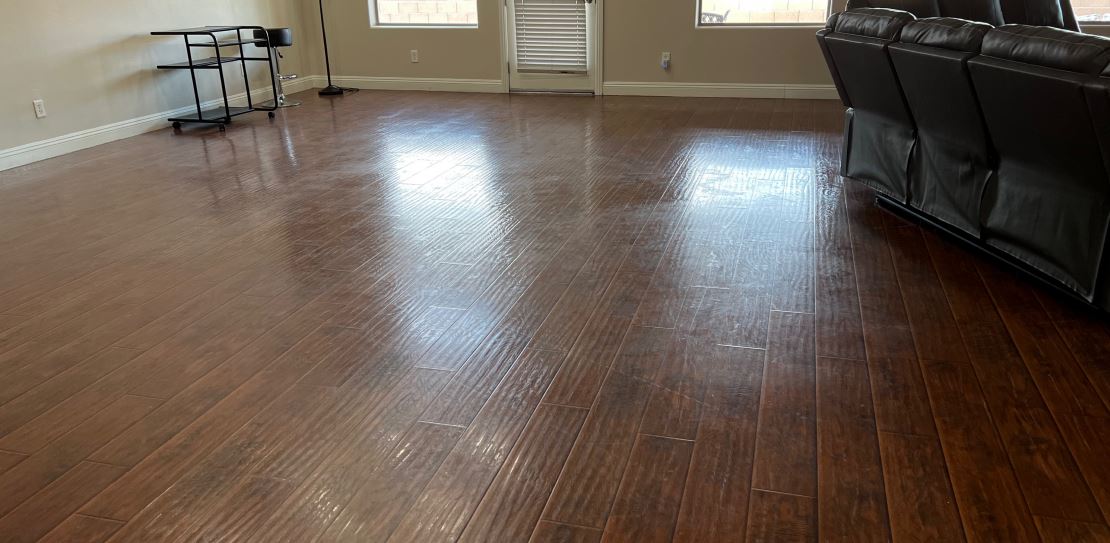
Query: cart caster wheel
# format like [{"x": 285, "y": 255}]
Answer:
[
  {"x": 270, "y": 114},
  {"x": 223, "y": 128},
  {"x": 176, "y": 125}
]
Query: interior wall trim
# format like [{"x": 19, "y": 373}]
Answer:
[
  {"x": 414, "y": 83},
  {"x": 75, "y": 141},
  {"x": 14, "y": 157},
  {"x": 721, "y": 90}
]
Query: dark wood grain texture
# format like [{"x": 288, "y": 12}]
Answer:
[{"x": 406, "y": 316}]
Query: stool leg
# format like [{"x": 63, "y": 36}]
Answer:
[{"x": 281, "y": 101}]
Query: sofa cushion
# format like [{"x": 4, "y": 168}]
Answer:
[
  {"x": 946, "y": 33},
  {"x": 919, "y": 8},
  {"x": 879, "y": 23},
  {"x": 1050, "y": 47}
]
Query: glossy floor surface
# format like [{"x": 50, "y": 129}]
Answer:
[{"x": 438, "y": 317}]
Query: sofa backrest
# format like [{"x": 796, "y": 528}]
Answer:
[
  {"x": 1050, "y": 205},
  {"x": 1054, "y": 13},
  {"x": 952, "y": 161},
  {"x": 919, "y": 8},
  {"x": 1048, "y": 47},
  {"x": 880, "y": 137}
]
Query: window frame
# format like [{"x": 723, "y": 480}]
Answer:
[
  {"x": 375, "y": 21},
  {"x": 715, "y": 26}
]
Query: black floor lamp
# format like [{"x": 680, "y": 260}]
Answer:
[{"x": 331, "y": 89}]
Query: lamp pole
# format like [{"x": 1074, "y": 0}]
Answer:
[{"x": 331, "y": 89}]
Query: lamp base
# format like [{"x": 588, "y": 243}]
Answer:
[{"x": 331, "y": 90}]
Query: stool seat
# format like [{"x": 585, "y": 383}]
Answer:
[
  {"x": 278, "y": 37},
  {"x": 275, "y": 38}
]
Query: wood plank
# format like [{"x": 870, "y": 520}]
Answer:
[
  {"x": 838, "y": 323},
  {"x": 9, "y": 459},
  {"x": 715, "y": 502},
  {"x": 985, "y": 486},
  {"x": 553, "y": 532},
  {"x": 378, "y": 507},
  {"x": 1068, "y": 531},
  {"x": 901, "y": 401},
  {"x": 134, "y": 444},
  {"x": 514, "y": 501},
  {"x": 571, "y": 313},
  {"x": 346, "y": 459},
  {"x": 170, "y": 376},
  {"x": 885, "y": 322},
  {"x": 786, "y": 443},
  {"x": 678, "y": 390},
  {"x": 591, "y": 477},
  {"x": 851, "y": 502},
  {"x": 781, "y": 517},
  {"x": 42, "y": 398},
  {"x": 935, "y": 331},
  {"x": 647, "y": 504},
  {"x": 736, "y": 316},
  {"x": 1051, "y": 481},
  {"x": 585, "y": 367},
  {"x": 919, "y": 495},
  {"x": 158, "y": 471},
  {"x": 82, "y": 529},
  {"x": 52, "y": 462},
  {"x": 55, "y": 502},
  {"x": 450, "y": 498},
  {"x": 1089, "y": 442},
  {"x": 1090, "y": 344},
  {"x": 160, "y": 510}
]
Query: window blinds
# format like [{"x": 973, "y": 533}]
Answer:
[{"x": 550, "y": 36}]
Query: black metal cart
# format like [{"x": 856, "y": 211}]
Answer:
[{"x": 216, "y": 38}]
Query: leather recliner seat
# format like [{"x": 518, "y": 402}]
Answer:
[
  {"x": 879, "y": 131},
  {"x": 1002, "y": 134},
  {"x": 1045, "y": 107},
  {"x": 951, "y": 162}
]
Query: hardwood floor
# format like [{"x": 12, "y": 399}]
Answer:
[{"x": 437, "y": 317}]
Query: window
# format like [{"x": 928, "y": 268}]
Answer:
[
  {"x": 764, "y": 12},
  {"x": 1091, "y": 11},
  {"x": 425, "y": 12}
]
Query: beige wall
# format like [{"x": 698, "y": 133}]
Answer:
[
  {"x": 636, "y": 33},
  {"x": 92, "y": 61},
  {"x": 357, "y": 49}
]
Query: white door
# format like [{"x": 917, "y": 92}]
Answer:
[{"x": 551, "y": 45}]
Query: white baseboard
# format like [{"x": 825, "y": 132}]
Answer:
[
  {"x": 76, "y": 141},
  {"x": 720, "y": 90},
  {"x": 68, "y": 143},
  {"x": 616, "y": 88},
  {"x": 412, "y": 83}
]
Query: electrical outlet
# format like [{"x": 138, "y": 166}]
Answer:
[
  {"x": 40, "y": 108},
  {"x": 665, "y": 62},
  {"x": 414, "y": 55}
]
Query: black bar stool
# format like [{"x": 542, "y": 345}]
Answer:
[{"x": 278, "y": 37}]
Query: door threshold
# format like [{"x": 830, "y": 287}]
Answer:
[{"x": 556, "y": 92}]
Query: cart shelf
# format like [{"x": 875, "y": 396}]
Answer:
[
  {"x": 200, "y": 63},
  {"x": 214, "y": 114},
  {"x": 228, "y": 43},
  {"x": 214, "y": 38}
]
